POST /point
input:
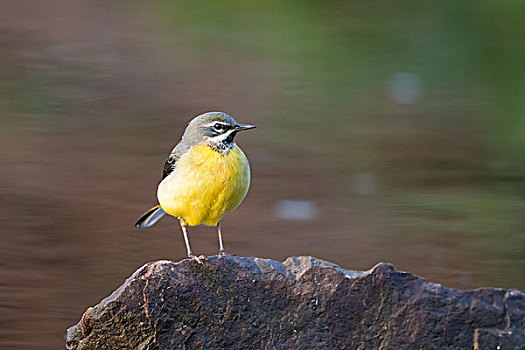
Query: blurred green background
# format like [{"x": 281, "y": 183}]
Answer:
[{"x": 387, "y": 131}]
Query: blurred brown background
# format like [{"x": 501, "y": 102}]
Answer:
[{"x": 386, "y": 131}]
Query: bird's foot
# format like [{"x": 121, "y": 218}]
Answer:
[
  {"x": 196, "y": 258},
  {"x": 222, "y": 252}
]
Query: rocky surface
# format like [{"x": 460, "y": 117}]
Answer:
[{"x": 303, "y": 303}]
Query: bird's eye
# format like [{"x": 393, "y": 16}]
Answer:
[{"x": 219, "y": 127}]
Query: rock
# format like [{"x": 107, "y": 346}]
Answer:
[{"x": 304, "y": 303}]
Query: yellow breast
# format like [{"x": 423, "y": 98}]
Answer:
[{"x": 205, "y": 185}]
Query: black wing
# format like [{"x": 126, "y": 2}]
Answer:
[
  {"x": 175, "y": 155},
  {"x": 169, "y": 166}
]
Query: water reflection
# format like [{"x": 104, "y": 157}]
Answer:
[
  {"x": 365, "y": 184},
  {"x": 406, "y": 88},
  {"x": 398, "y": 126},
  {"x": 298, "y": 210}
]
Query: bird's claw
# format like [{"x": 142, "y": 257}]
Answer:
[
  {"x": 196, "y": 258},
  {"x": 223, "y": 253}
]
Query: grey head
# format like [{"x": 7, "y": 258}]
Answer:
[{"x": 215, "y": 129}]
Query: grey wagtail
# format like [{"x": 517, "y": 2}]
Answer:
[{"x": 206, "y": 176}]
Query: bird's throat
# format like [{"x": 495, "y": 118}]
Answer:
[{"x": 223, "y": 146}]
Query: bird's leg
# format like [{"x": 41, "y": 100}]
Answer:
[
  {"x": 184, "y": 226},
  {"x": 222, "y": 252}
]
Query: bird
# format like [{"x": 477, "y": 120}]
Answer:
[{"x": 205, "y": 176}]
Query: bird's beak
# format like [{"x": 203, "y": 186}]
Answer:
[{"x": 240, "y": 127}]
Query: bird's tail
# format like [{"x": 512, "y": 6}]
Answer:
[{"x": 150, "y": 217}]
